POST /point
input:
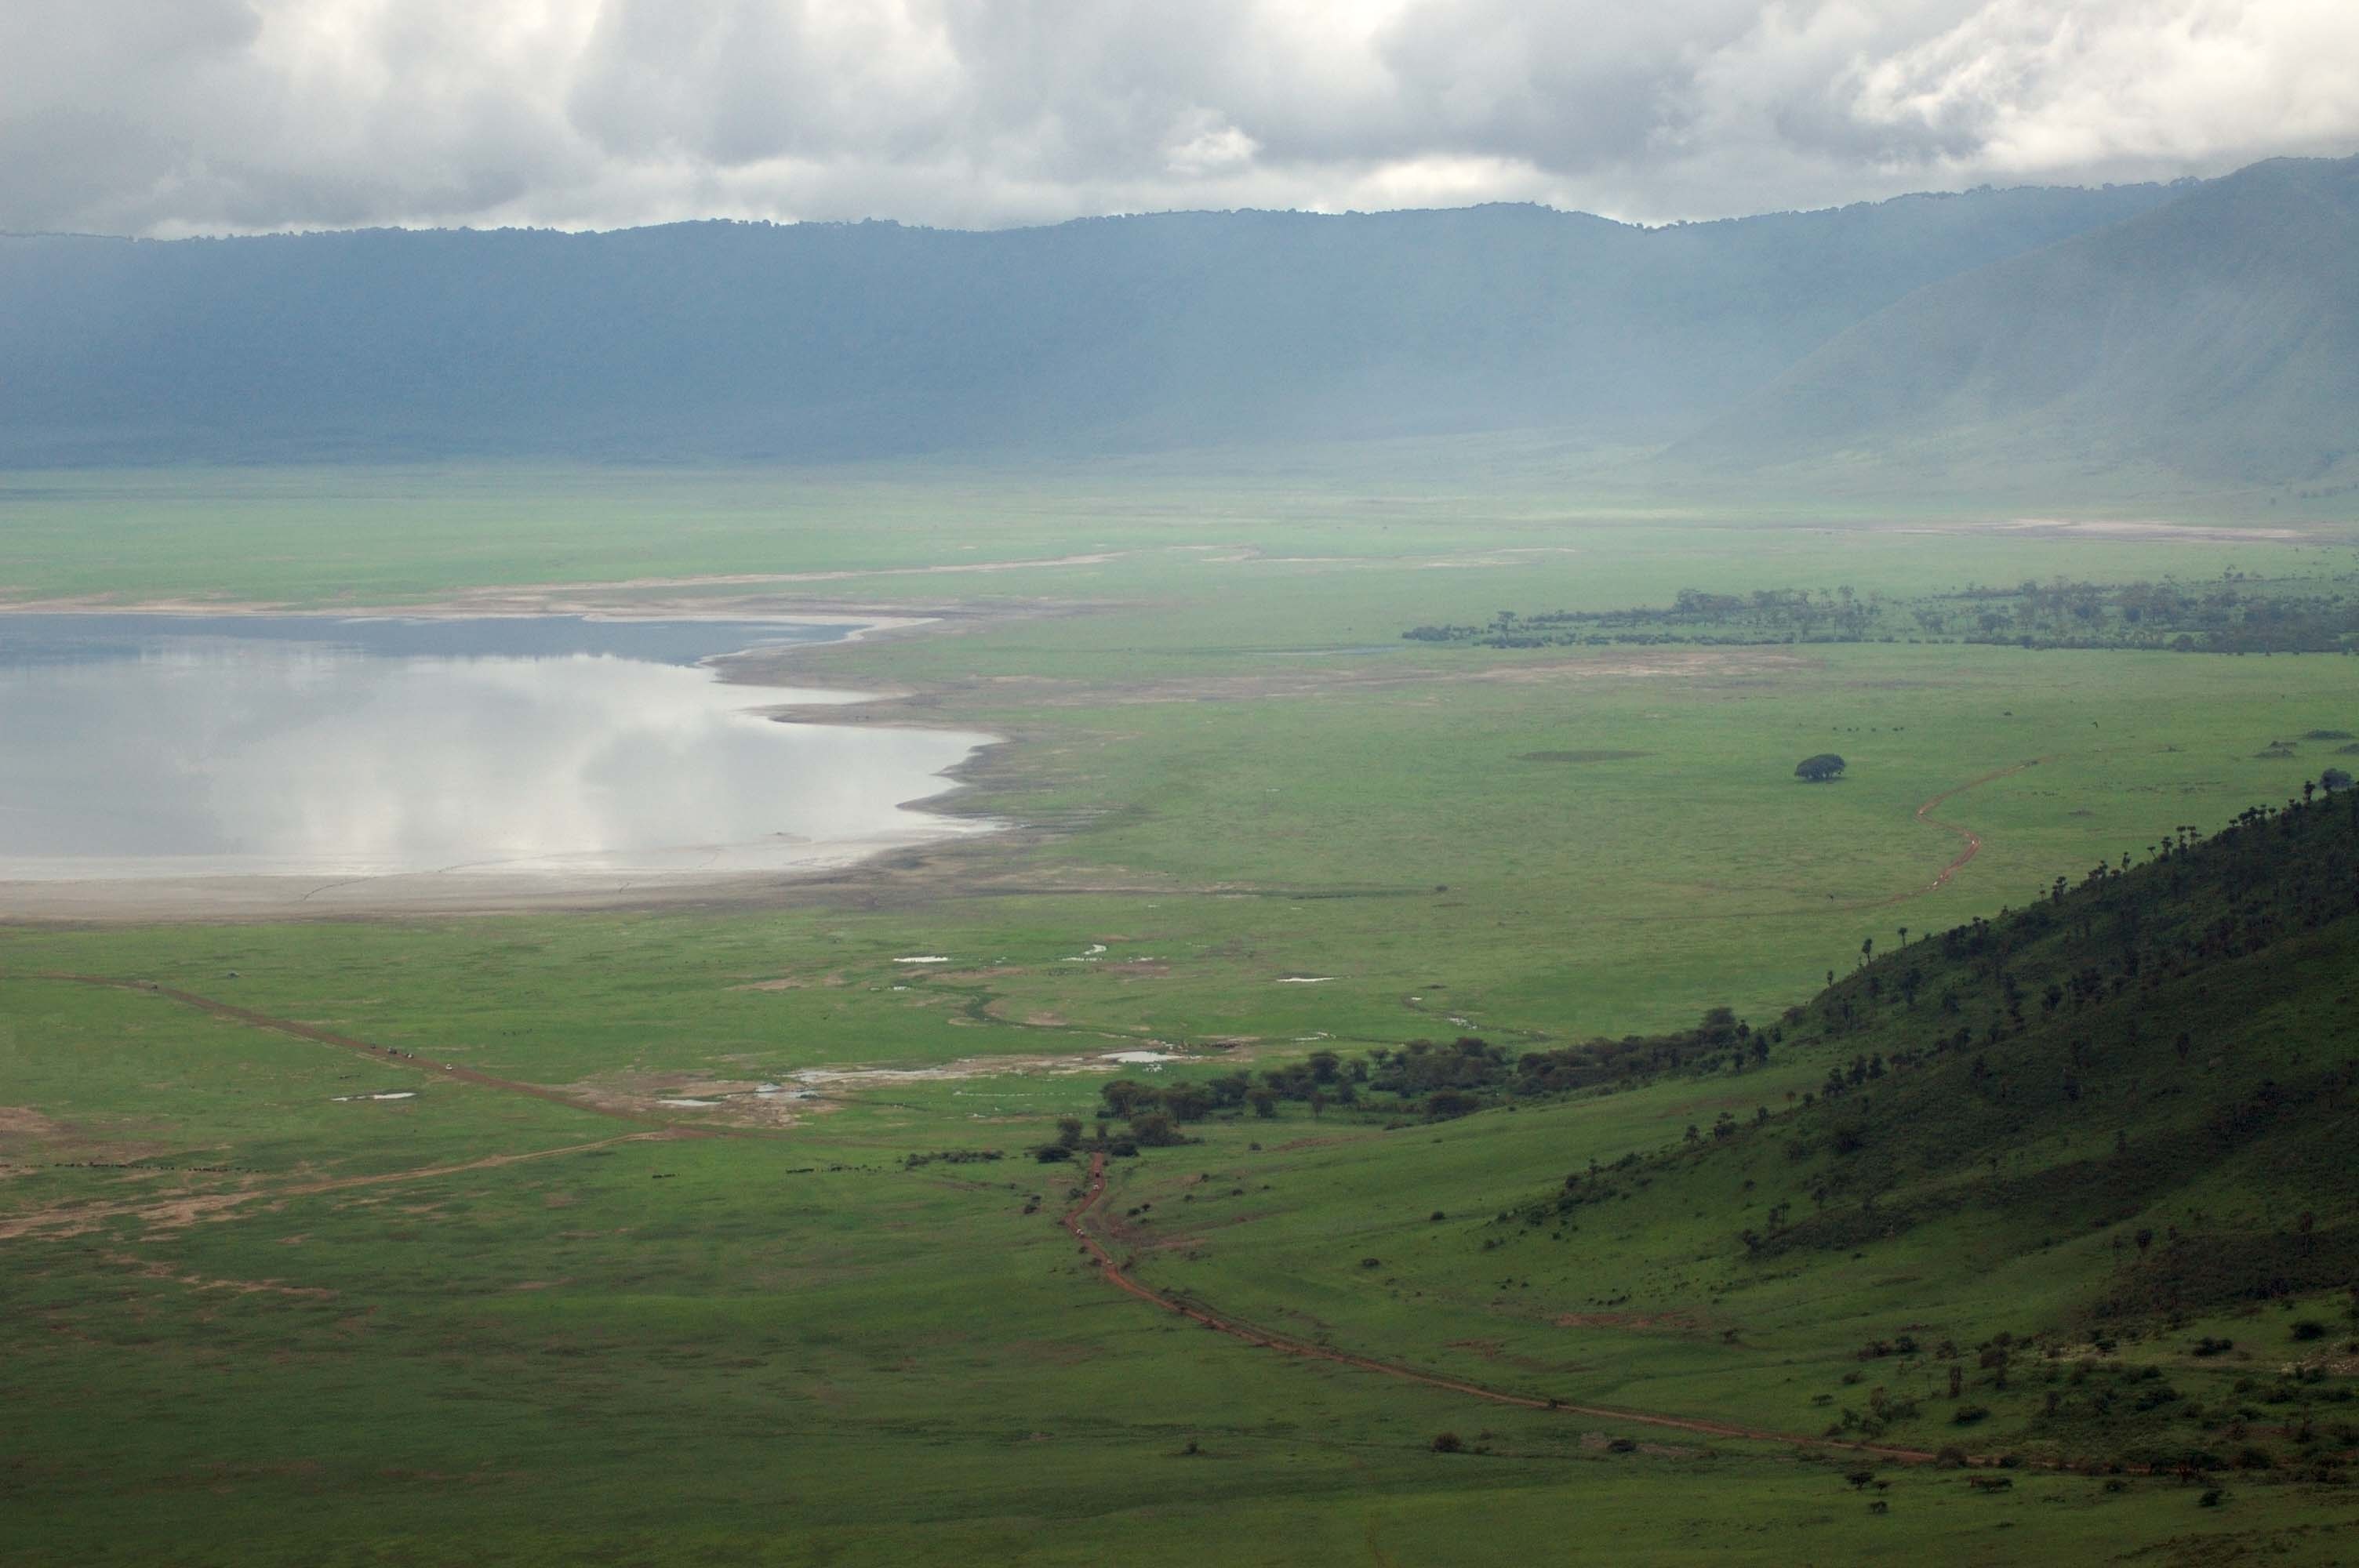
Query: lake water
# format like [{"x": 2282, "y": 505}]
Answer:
[{"x": 163, "y": 746}]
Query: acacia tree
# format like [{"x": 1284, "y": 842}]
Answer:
[{"x": 1819, "y": 769}]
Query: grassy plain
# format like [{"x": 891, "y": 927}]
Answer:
[{"x": 785, "y": 1345}]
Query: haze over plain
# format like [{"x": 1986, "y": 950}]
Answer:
[{"x": 1383, "y": 1053}]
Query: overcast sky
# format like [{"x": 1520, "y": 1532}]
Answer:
[{"x": 181, "y": 116}]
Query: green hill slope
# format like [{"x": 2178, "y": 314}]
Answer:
[{"x": 2075, "y": 1184}]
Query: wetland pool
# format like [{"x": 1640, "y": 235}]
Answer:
[{"x": 169, "y": 746}]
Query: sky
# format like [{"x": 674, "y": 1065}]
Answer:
[{"x": 174, "y": 118}]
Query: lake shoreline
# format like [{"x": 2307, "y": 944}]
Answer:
[{"x": 217, "y": 895}]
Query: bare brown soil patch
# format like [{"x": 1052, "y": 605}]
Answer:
[
  {"x": 1654, "y": 664},
  {"x": 723, "y": 1104},
  {"x": 175, "y": 1212},
  {"x": 154, "y": 1268},
  {"x": 964, "y": 1068},
  {"x": 474, "y": 600},
  {"x": 1644, "y": 1323},
  {"x": 23, "y": 1122},
  {"x": 1507, "y": 556},
  {"x": 2148, "y": 530}
]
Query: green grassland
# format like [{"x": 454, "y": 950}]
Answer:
[{"x": 250, "y": 1320}]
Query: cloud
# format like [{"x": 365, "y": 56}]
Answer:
[{"x": 179, "y": 116}]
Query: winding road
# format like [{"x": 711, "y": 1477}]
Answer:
[
  {"x": 1076, "y": 1219},
  {"x": 1973, "y": 840},
  {"x": 1093, "y": 1192}
]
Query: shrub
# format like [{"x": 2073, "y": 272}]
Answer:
[{"x": 1448, "y": 1443}]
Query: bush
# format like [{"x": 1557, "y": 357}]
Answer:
[
  {"x": 1448, "y": 1443},
  {"x": 1967, "y": 1415}
]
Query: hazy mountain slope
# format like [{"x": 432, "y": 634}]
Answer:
[
  {"x": 2217, "y": 335},
  {"x": 732, "y": 340}
]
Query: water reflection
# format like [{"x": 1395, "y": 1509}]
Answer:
[{"x": 216, "y": 755}]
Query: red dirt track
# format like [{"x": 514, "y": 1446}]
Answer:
[
  {"x": 1973, "y": 840},
  {"x": 1111, "y": 1273}
]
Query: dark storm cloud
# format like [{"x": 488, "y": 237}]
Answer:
[{"x": 170, "y": 116}]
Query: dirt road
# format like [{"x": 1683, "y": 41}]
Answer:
[
  {"x": 441, "y": 1071},
  {"x": 1076, "y": 1220},
  {"x": 1973, "y": 840}
]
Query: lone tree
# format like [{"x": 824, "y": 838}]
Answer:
[{"x": 1819, "y": 769}]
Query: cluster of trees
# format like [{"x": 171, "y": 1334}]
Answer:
[
  {"x": 1695, "y": 615},
  {"x": 2235, "y": 615},
  {"x": 1421, "y": 1080}
]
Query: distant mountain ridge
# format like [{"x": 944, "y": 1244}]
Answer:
[
  {"x": 2217, "y": 335},
  {"x": 824, "y": 342}
]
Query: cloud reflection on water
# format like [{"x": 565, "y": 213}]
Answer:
[{"x": 236, "y": 757}]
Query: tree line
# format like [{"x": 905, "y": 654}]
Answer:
[{"x": 2236, "y": 614}]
